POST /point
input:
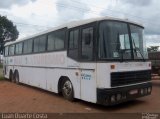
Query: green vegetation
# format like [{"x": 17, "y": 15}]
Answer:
[
  {"x": 1, "y": 65},
  {"x": 8, "y": 32},
  {"x": 1, "y": 73},
  {"x": 1, "y": 78}
]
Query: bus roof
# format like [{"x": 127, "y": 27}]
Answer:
[{"x": 73, "y": 24}]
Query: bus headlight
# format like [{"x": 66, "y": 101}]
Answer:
[
  {"x": 145, "y": 90},
  {"x": 113, "y": 98},
  {"x": 118, "y": 97},
  {"x": 142, "y": 91},
  {"x": 149, "y": 90}
]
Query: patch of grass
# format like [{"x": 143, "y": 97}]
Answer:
[
  {"x": 1, "y": 65},
  {"x": 1, "y": 78},
  {"x": 1, "y": 74}
]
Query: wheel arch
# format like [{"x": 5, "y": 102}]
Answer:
[{"x": 15, "y": 71}]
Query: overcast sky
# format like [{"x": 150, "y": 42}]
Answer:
[{"x": 33, "y": 16}]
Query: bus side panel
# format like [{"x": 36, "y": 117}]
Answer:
[
  {"x": 88, "y": 85},
  {"x": 103, "y": 75},
  {"x": 52, "y": 77},
  {"x": 8, "y": 64},
  {"x": 33, "y": 76},
  {"x": 88, "y": 82},
  {"x": 8, "y": 68}
]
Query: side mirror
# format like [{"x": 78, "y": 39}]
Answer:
[{"x": 87, "y": 38}]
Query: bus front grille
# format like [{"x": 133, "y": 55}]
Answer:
[{"x": 132, "y": 77}]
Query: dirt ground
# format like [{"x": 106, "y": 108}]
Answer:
[{"x": 23, "y": 98}]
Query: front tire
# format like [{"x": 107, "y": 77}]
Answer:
[{"x": 67, "y": 90}]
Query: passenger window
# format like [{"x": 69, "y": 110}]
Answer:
[
  {"x": 11, "y": 50},
  {"x": 18, "y": 48},
  {"x": 59, "y": 40},
  {"x": 56, "y": 40},
  {"x": 6, "y": 51},
  {"x": 42, "y": 43},
  {"x": 73, "y": 40},
  {"x": 36, "y": 43},
  {"x": 87, "y": 43},
  {"x": 50, "y": 42},
  {"x": 73, "y": 44},
  {"x": 28, "y": 44}
]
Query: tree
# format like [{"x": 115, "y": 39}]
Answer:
[
  {"x": 8, "y": 32},
  {"x": 152, "y": 48}
]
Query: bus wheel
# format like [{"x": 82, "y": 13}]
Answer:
[
  {"x": 16, "y": 77},
  {"x": 11, "y": 76},
  {"x": 67, "y": 90}
]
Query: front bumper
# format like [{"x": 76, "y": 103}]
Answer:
[{"x": 115, "y": 96}]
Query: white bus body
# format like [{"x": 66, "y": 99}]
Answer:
[{"x": 106, "y": 82}]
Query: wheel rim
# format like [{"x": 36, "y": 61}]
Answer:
[{"x": 67, "y": 88}]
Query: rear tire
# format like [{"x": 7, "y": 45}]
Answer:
[
  {"x": 11, "y": 76},
  {"x": 67, "y": 90},
  {"x": 16, "y": 77}
]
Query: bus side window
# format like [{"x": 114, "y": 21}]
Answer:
[
  {"x": 56, "y": 40},
  {"x": 87, "y": 44},
  {"x": 11, "y": 50},
  {"x": 28, "y": 44},
  {"x": 18, "y": 48},
  {"x": 42, "y": 43},
  {"x": 36, "y": 43},
  {"x": 73, "y": 43},
  {"x": 6, "y": 51}
]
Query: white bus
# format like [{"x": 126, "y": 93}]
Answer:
[{"x": 101, "y": 60}]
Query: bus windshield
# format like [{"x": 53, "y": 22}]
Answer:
[{"x": 115, "y": 42}]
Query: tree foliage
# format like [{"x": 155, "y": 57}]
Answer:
[
  {"x": 152, "y": 48},
  {"x": 8, "y": 32}
]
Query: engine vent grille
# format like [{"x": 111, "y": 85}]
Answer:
[{"x": 125, "y": 78}]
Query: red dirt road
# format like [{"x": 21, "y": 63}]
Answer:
[{"x": 22, "y": 98}]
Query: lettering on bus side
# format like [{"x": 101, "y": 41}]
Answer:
[{"x": 86, "y": 76}]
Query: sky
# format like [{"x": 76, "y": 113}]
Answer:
[{"x": 34, "y": 16}]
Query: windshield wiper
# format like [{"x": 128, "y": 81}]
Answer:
[{"x": 137, "y": 49}]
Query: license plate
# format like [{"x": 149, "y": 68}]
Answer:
[{"x": 132, "y": 92}]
